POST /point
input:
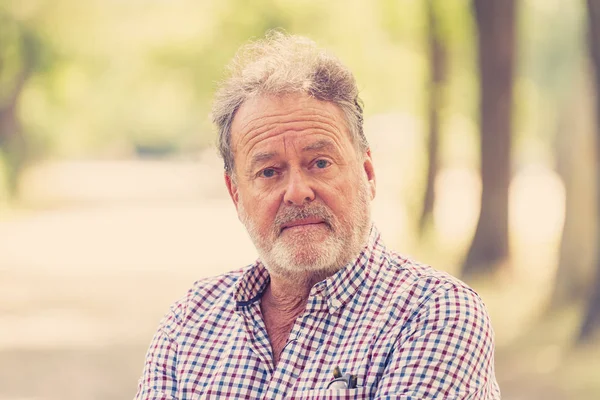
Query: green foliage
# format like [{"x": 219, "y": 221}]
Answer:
[{"x": 115, "y": 78}]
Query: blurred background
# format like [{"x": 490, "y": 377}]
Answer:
[{"x": 483, "y": 121}]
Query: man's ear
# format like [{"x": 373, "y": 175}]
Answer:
[
  {"x": 232, "y": 189},
  {"x": 370, "y": 171}
]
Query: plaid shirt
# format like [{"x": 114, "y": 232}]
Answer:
[{"x": 406, "y": 330}]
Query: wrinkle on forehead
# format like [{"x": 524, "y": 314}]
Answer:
[
  {"x": 277, "y": 118},
  {"x": 282, "y": 129},
  {"x": 256, "y": 120}
]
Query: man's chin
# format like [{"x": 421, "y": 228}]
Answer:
[{"x": 316, "y": 255}]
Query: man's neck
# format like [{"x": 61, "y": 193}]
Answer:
[
  {"x": 286, "y": 295},
  {"x": 282, "y": 302}
]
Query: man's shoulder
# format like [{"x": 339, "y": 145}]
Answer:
[
  {"x": 418, "y": 283},
  {"x": 213, "y": 286},
  {"x": 419, "y": 273},
  {"x": 207, "y": 295},
  {"x": 418, "y": 293}
]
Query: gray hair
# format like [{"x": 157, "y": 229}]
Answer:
[{"x": 283, "y": 64}]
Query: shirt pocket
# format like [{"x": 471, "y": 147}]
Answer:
[{"x": 333, "y": 394}]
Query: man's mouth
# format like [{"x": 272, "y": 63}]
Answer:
[{"x": 305, "y": 222}]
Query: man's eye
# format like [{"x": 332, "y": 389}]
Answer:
[
  {"x": 322, "y": 164},
  {"x": 267, "y": 173}
]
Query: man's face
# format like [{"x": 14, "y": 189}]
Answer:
[{"x": 301, "y": 188}]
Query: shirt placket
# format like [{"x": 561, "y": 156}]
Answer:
[
  {"x": 258, "y": 339},
  {"x": 296, "y": 352}
]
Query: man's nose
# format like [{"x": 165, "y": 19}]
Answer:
[{"x": 298, "y": 190}]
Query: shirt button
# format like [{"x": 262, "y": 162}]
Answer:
[{"x": 335, "y": 303}]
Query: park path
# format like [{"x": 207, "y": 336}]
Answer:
[{"x": 88, "y": 268}]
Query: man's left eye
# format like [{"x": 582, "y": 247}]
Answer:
[{"x": 322, "y": 164}]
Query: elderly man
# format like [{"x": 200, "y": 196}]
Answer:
[{"x": 327, "y": 311}]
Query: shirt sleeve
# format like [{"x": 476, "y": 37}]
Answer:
[
  {"x": 159, "y": 379},
  {"x": 445, "y": 351}
]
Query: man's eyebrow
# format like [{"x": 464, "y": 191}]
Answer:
[
  {"x": 320, "y": 145},
  {"x": 259, "y": 158}
]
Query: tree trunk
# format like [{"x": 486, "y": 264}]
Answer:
[
  {"x": 12, "y": 140},
  {"x": 496, "y": 44},
  {"x": 12, "y": 144},
  {"x": 575, "y": 164},
  {"x": 591, "y": 321},
  {"x": 437, "y": 71}
]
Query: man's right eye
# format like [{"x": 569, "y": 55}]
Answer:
[{"x": 267, "y": 173}]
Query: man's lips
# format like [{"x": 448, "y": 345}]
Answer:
[{"x": 302, "y": 222}]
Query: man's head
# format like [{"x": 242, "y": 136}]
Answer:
[{"x": 297, "y": 164}]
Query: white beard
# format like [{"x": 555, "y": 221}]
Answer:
[{"x": 302, "y": 254}]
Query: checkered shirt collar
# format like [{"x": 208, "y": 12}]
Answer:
[{"x": 331, "y": 293}]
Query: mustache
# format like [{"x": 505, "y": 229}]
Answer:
[{"x": 289, "y": 214}]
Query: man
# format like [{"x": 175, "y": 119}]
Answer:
[{"x": 327, "y": 312}]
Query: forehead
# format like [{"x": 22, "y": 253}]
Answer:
[{"x": 265, "y": 119}]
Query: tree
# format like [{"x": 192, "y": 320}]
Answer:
[
  {"x": 496, "y": 47},
  {"x": 557, "y": 63},
  {"x": 575, "y": 164},
  {"x": 591, "y": 320},
  {"x": 19, "y": 57},
  {"x": 437, "y": 80}
]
